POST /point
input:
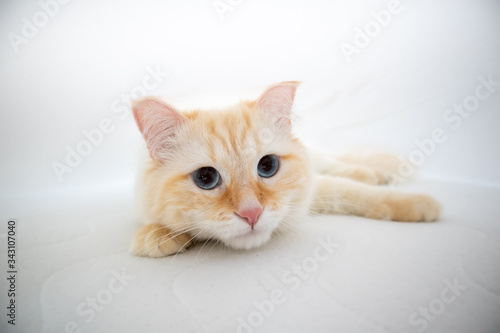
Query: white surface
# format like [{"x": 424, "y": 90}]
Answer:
[
  {"x": 73, "y": 234},
  {"x": 380, "y": 273}
]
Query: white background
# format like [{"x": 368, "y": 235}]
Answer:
[{"x": 73, "y": 233}]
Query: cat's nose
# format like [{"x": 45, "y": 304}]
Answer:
[{"x": 251, "y": 214}]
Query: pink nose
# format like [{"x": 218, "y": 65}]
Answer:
[{"x": 251, "y": 214}]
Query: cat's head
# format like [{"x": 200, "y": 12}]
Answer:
[{"x": 235, "y": 174}]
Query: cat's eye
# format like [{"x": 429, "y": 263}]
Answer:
[
  {"x": 268, "y": 166},
  {"x": 206, "y": 178}
]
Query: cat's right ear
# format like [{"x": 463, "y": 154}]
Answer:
[{"x": 159, "y": 123}]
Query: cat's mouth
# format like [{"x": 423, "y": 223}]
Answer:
[
  {"x": 250, "y": 237},
  {"x": 249, "y": 232}
]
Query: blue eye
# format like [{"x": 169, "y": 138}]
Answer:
[
  {"x": 206, "y": 178},
  {"x": 268, "y": 166}
]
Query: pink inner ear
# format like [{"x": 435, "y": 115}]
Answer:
[
  {"x": 158, "y": 123},
  {"x": 278, "y": 100}
]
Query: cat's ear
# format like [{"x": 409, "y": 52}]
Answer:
[
  {"x": 159, "y": 123},
  {"x": 277, "y": 101}
]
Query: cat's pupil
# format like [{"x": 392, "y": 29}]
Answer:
[
  {"x": 267, "y": 166},
  {"x": 206, "y": 178}
]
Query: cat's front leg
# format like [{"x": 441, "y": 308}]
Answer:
[
  {"x": 157, "y": 240},
  {"x": 335, "y": 195}
]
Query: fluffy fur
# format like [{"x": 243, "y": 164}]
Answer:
[{"x": 177, "y": 212}]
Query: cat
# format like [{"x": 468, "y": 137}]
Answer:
[{"x": 238, "y": 175}]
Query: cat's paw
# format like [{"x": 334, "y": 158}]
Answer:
[
  {"x": 383, "y": 162},
  {"x": 406, "y": 208},
  {"x": 156, "y": 240},
  {"x": 383, "y": 177},
  {"x": 367, "y": 175}
]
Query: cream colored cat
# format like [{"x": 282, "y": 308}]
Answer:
[{"x": 238, "y": 175}]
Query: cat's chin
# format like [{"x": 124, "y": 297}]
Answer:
[{"x": 249, "y": 240}]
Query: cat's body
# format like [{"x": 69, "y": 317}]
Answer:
[{"x": 238, "y": 175}]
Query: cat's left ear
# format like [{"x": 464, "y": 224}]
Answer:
[{"x": 277, "y": 101}]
